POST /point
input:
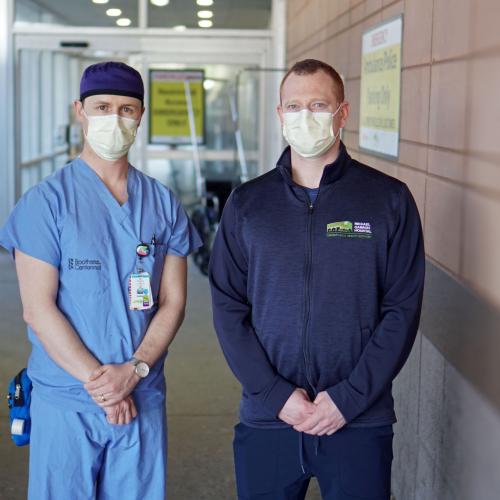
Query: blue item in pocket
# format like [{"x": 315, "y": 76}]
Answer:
[{"x": 19, "y": 399}]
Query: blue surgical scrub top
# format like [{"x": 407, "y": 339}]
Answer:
[{"x": 73, "y": 222}]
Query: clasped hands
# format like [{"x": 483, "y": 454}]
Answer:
[
  {"x": 318, "y": 418},
  {"x": 110, "y": 386}
]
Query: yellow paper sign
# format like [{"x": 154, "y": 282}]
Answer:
[{"x": 169, "y": 121}]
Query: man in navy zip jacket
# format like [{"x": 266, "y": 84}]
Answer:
[{"x": 317, "y": 277}]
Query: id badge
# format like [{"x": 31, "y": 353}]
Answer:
[{"x": 140, "y": 293}]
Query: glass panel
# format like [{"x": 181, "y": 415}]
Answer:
[
  {"x": 223, "y": 14},
  {"x": 29, "y": 98},
  {"x": 46, "y": 168},
  {"x": 45, "y": 112},
  {"x": 77, "y": 13},
  {"x": 221, "y": 97},
  {"x": 64, "y": 94},
  {"x": 60, "y": 161},
  {"x": 29, "y": 177},
  {"x": 248, "y": 109},
  {"x": 253, "y": 168},
  {"x": 180, "y": 177},
  {"x": 219, "y": 125}
]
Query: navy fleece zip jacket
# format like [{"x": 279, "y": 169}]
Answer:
[{"x": 325, "y": 296}]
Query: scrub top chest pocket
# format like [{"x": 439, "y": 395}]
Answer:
[{"x": 84, "y": 269}]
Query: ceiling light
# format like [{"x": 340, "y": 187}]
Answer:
[
  {"x": 208, "y": 84},
  {"x": 103, "y": 54},
  {"x": 114, "y": 12},
  {"x": 160, "y": 3},
  {"x": 205, "y": 3},
  {"x": 180, "y": 27},
  {"x": 123, "y": 21},
  {"x": 205, "y": 14},
  {"x": 100, "y": 1},
  {"x": 205, "y": 23}
]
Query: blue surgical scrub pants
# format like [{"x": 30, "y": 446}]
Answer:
[
  {"x": 80, "y": 456},
  {"x": 277, "y": 464}
]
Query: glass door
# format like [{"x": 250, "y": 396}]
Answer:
[{"x": 48, "y": 136}]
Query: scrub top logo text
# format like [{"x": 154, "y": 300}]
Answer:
[{"x": 84, "y": 264}]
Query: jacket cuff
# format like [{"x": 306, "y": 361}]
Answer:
[
  {"x": 274, "y": 398},
  {"x": 343, "y": 395}
]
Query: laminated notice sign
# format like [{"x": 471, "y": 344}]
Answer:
[
  {"x": 169, "y": 108},
  {"x": 380, "y": 93}
]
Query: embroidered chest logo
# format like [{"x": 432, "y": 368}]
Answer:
[
  {"x": 84, "y": 264},
  {"x": 348, "y": 229}
]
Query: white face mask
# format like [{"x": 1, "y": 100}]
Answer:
[
  {"x": 309, "y": 134},
  {"x": 111, "y": 136}
]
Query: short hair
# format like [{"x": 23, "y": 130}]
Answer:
[{"x": 312, "y": 66}]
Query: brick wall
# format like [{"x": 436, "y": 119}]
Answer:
[{"x": 448, "y": 435}]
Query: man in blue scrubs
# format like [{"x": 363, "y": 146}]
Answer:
[{"x": 100, "y": 252}]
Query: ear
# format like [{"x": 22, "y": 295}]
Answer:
[
  {"x": 77, "y": 110},
  {"x": 142, "y": 114},
  {"x": 344, "y": 114},
  {"x": 80, "y": 117},
  {"x": 279, "y": 110}
]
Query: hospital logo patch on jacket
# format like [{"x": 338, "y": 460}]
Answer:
[
  {"x": 348, "y": 229},
  {"x": 84, "y": 264}
]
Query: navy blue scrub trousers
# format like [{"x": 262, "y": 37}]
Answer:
[{"x": 277, "y": 464}]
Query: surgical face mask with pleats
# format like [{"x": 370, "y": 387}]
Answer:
[
  {"x": 310, "y": 133},
  {"x": 111, "y": 136}
]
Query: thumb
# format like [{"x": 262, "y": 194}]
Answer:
[
  {"x": 322, "y": 396},
  {"x": 303, "y": 394},
  {"x": 96, "y": 373}
]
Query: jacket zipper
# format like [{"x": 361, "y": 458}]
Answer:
[{"x": 307, "y": 309}]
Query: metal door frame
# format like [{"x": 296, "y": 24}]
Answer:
[{"x": 147, "y": 46}]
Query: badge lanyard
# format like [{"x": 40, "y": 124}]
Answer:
[{"x": 139, "y": 285}]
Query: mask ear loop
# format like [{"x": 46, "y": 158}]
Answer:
[
  {"x": 88, "y": 122},
  {"x": 335, "y": 136}
]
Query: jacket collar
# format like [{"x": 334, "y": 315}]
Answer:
[{"x": 331, "y": 173}]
